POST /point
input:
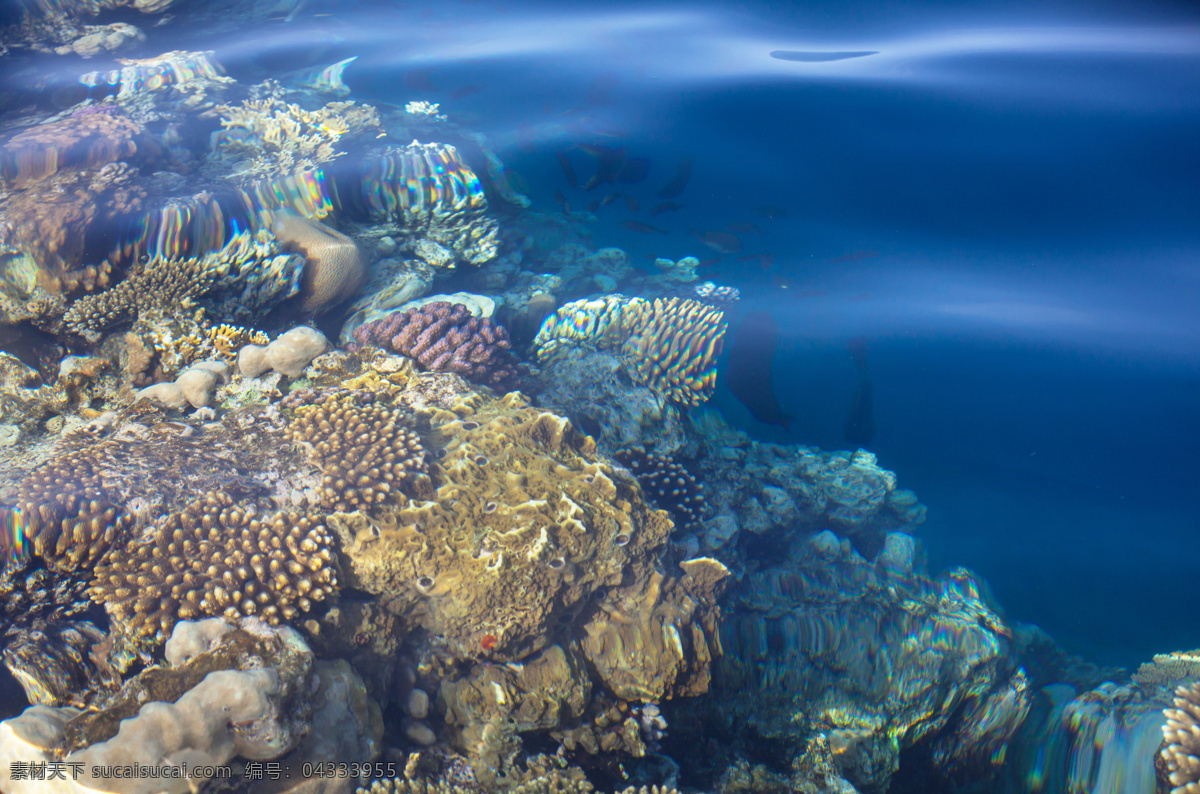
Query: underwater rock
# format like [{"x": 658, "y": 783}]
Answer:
[
  {"x": 847, "y": 650},
  {"x": 596, "y": 390},
  {"x": 246, "y": 693},
  {"x": 51, "y": 660},
  {"x": 193, "y": 387}
]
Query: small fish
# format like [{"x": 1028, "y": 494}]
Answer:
[
  {"x": 683, "y": 172},
  {"x": 632, "y": 204},
  {"x": 609, "y": 199},
  {"x": 666, "y": 206},
  {"x": 419, "y": 80},
  {"x": 634, "y": 170},
  {"x": 593, "y": 205},
  {"x": 643, "y": 228},
  {"x": 608, "y": 164},
  {"x": 465, "y": 91},
  {"x": 564, "y": 163},
  {"x": 743, "y": 228},
  {"x": 721, "y": 242},
  {"x": 765, "y": 261},
  {"x": 566, "y": 208},
  {"x": 770, "y": 211},
  {"x": 559, "y": 198}
]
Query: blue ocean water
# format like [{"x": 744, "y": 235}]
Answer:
[{"x": 996, "y": 204}]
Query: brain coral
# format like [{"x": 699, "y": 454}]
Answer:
[
  {"x": 217, "y": 557},
  {"x": 528, "y": 524}
]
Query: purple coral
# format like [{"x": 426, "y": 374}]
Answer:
[{"x": 445, "y": 337}]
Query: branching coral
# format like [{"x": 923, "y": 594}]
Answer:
[
  {"x": 365, "y": 454},
  {"x": 1180, "y": 751},
  {"x": 273, "y": 138},
  {"x": 218, "y": 557},
  {"x": 445, "y": 337}
]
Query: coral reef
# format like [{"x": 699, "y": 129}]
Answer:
[
  {"x": 228, "y": 691},
  {"x": 76, "y": 142},
  {"x": 178, "y": 68},
  {"x": 427, "y": 196},
  {"x": 51, "y": 661},
  {"x": 218, "y": 556},
  {"x": 671, "y": 486},
  {"x": 597, "y": 392},
  {"x": 1180, "y": 752},
  {"x": 847, "y": 649},
  {"x": 269, "y": 138},
  {"x": 288, "y": 354},
  {"x": 671, "y": 343},
  {"x": 25, "y": 401},
  {"x": 365, "y": 454},
  {"x": 334, "y": 269},
  {"x": 524, "y": 508},
  {"x": 445, "y": 337}
]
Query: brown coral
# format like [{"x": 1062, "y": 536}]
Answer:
[
  {"x": 1179, "y": 757},
  {"x": 528, "y": 524},
  {"x": 668, "y": 483},
  {"x": 366, "y": 456},
  {"x": 158, "y": 286},
  {"x": 218, "y": 557},
  {"x": 445, "y": 337},
  {"x": 334, "y": 269},
  {"x": 85, "y": 141}
]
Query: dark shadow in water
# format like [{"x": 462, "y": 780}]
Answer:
[{"x": 809, "y": 56}]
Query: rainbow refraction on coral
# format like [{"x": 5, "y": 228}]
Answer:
[
  {"x": 171, "y": 68},
  {"x": 673, "y": 343},
  {"x": 418, "y": 179}
]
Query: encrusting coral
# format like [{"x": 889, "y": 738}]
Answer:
[
  {"x": 218, "y": 557},
  {"x": 445, "y": 337},
  {"x": 87, "y": 140},
  {"x": 1178, "y": 759},
  {"x": 365, "y": 454},
  {"x": 672, "y": 344}
]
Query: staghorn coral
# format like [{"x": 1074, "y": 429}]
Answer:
[
  {"x": 218, "y": 556},
  {"x": 445, "y": 337},
  {"x": 269, "y": 138},
  {"x": 157, "y": 287},
  {"x": 667, "y": 483},
  {"x": 671, "y": 344},
  {"x": 366, "y": 456},
  {"x": 1168, "y": 668},
  {"x": 226, "y": 340},
  {"x": 528, "y": 523},
  {"x": 1179, "y": 757}
]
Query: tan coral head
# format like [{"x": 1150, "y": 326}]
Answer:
[{"x": 334, "y": 267}]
